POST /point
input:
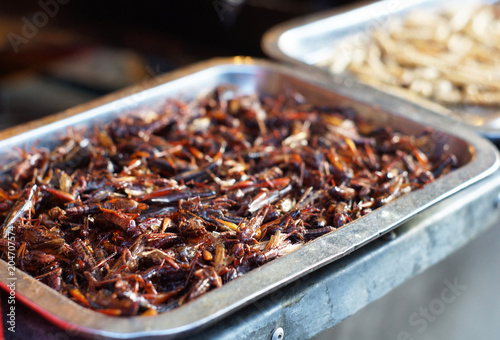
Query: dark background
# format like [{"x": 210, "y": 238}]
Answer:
[{"x": 75, "y": 50}]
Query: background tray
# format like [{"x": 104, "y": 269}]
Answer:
[{"x": 312, "y": 40}]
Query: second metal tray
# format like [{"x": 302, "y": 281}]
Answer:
[
  {"x": 477, "y": 158},
  {"x": 311, "y": 41}
]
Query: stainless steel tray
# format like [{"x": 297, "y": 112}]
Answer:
[
  {"x": 478, "y": 158},
  {"x": 312, "y": 40}
]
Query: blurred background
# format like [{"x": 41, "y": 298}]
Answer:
[{"x": 57, "y": 54}]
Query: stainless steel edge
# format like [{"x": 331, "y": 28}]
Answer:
[
  {"x": 218, "y": 303},
  {"x": 310, "y": 40}
]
